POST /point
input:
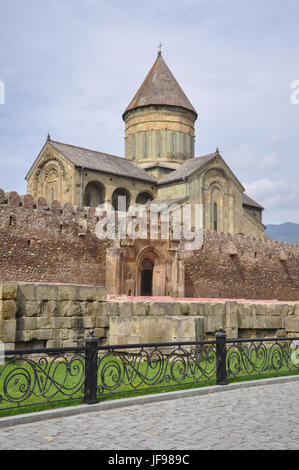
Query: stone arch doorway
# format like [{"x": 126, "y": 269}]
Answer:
[
  {"x": 150, "y": 273},
  {"x": 147, "y": 268}
]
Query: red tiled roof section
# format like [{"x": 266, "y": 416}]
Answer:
[{"x": 160, "y": 88}]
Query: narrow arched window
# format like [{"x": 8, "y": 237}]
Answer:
[
  {"x": 173, "y": 143},
  {"x": 88, "y": 200},
  {"x": 158, "y": 143},
  {"x": 145, "y": 144},
  {"x": 133, "y": 146},
  {"x": 215, "y": 216},
  {"x": 52, "y": 194}
]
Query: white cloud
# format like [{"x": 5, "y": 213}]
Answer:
[{"x": 279, "y": 197}]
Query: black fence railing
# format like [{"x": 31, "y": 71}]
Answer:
[{"x": 32, "y": 377}]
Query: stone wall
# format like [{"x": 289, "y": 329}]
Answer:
[
  {"x": 50, "y": 315},
  {"x": 239, "y": 267},
  {"x": 41, "y": 242},
  {"x": 57, "y": 315}
]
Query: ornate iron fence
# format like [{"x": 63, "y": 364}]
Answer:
[
  {"x": 41, "y": 376},
  {"x": 258, "y": 357}
]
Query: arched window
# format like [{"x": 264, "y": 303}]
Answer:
[
  {"x": 144, "y": 198},
  {"x": 52, "y": 194},
  {"x": 94, "y": 194},
  {"x": 121, "y": 199},
  {"x": 215, "y": 216}
]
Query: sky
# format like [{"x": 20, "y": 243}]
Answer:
[{"x": 70, "y": 68}]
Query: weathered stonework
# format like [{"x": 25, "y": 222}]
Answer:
[{"x": 39, "y": 316}]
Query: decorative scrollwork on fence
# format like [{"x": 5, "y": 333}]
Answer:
[
  {"x": 25, "y": 381},
  {"x": 255, "y": 358},
  {"x": 125, "y": 371}
]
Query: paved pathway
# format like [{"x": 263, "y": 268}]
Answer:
[{"x": 264, "y": 417}]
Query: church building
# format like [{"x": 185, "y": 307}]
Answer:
[{"x": 159, "y": 164}]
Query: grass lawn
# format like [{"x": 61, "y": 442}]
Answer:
[{"x": 42, "y": 385}]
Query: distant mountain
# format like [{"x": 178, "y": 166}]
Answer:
[{"x": 287, "y": 232}]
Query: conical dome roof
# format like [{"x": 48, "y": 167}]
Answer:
[{"x": 160, "y": 88}]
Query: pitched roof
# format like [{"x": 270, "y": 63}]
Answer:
[
  {"x": 247, "y": 201},
  {"x": 99, "y": 161},
  {"x": 160, "y": 88},
  {"x": 187, "y": 169}
]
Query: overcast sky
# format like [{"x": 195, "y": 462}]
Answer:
[{"x": 70, "y": 67}]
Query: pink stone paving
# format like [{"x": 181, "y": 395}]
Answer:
[{"x": 189, "y": 299}]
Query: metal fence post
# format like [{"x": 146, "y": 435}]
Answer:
[
  {"x": 221, "y": 358},
  {"x": 91, "y": 368}
]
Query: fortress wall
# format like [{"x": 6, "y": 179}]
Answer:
[
  {"x": 41, "y": 242},
  {"x": 242, "y": 267},
  {"x": 59, "y": 315}
]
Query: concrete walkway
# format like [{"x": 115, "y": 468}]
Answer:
[{"x": 262, "y": 417}]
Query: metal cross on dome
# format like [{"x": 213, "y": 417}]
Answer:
[{"x": 160, "y": 47}]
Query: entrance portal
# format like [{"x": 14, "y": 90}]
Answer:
[{"x": 147, "y": 278}]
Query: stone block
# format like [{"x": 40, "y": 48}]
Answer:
[
  {"x": 32, "y": 308},
  {"x": 188, "y": 329},
  {"x": 69, "y": 343},
  {"x": 87, "y": 293},
  {"x": 269, "y": 323},
  {"x": 77, "y": 322},
  {"x": 161, "y": 308},
  {"x": 43, "y": 334},
  {"x": 46, "y": 292},
  {"x": 8, "y": 331},
  {"x": 121, "y": 339},
  {"x": 100, "y": 333},
  {"x": 64, "y": 334},
  {"x": 219, "y": 308},
  {"x": 125, "y": 309},
  {"x": 8, "y": 309},
  {"x": 193, "y": 308},
  {"x": 43, "y": 322},
  {"x": 27, "y": 323},
  {"x": 24, "y": 335},
  {"x": 50, "y": 308},
  {"x": 101, "y": 293},
  {"x": 26, "y": 292},
  {"x": 55, "y": 343},
  {"x": 292, "y": 325},
  {"x": 134, "y": 326},
  {"x": 102, "y": 322},
  {"x": 67, "y": 292},
  {"x": 140, "y": 308},
  {"x": 110, "y": 308},
  {"x": 89, "y": 322},
  {"x": 296, "y": 310},
  {"x": 119, "y": 326},
  {"x": 56, "y": 323},
  {"x": 133, "y": 340},
  {"x": 282, "y": 309},
  {"x": 91, "y": 308},
  {"x": 66, "y": 322},
  {"x": 8, "y": 290}
]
